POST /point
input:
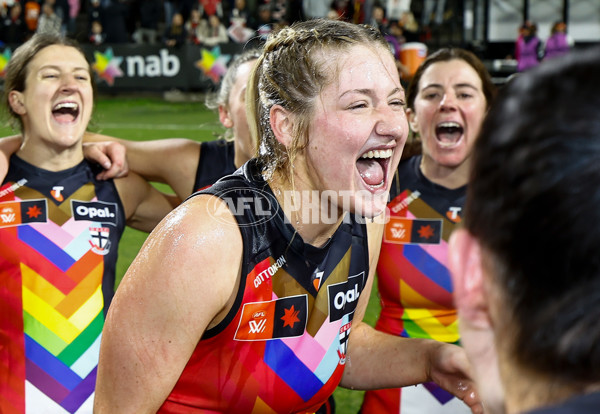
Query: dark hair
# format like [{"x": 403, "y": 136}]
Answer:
[
  {"x": 16, "y": 69},
  {"x": 533, "y": 203}
]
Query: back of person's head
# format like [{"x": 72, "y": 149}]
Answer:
[
  {"x": 16, "y": 69},
  {"x": 221, "y": 96},
  {"x": 533, "y": 204},
  {"x": 297, "y": 63}
]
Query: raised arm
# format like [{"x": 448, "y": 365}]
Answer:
[
  {"x": 173, "y": 161},
  {"x": 396, "y": 361},
  {"x": 169, "y": 296}
]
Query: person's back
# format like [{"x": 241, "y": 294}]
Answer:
[
  {"x": 557, "y": 44},
  {"x": 528, "y": 48},
  {"x": 114, "y": 23}
]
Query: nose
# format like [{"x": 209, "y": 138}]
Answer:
[
  {"x": 448, "y": 101},
  {"x": 68, "y": 83},
  {"x": 390, "y": 122}
]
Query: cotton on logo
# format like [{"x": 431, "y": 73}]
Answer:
[{"x": 257, "y": 327}]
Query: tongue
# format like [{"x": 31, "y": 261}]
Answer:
[
  {"x": 63, "y": 117},
  {"x": 370, "y": 171},
  {"x": 448, "y": 136}
]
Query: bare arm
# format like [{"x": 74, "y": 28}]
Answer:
[
  {"x": 379, "y": 360},
  {"x": 8, "y": 146},
  {"x": 174, "y": 288},
  {"x": 173, "y": 161},
  {"x": 144, "y": 205}
]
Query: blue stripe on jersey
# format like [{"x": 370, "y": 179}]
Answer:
[
  {"x": 290, "y": 369},
  {"x": 427, "y": 265},
  {"x": 48, "y": 249},
  {"x": 51, "y": 364}
]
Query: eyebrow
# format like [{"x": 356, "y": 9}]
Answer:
[
  {"x": 458, "y": 85},
  {"x": 369, "y": 92},
  {"x": 57, "y": 67}
]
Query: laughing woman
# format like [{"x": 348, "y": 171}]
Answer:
[
  {"x": 248, "y": 297},
  {"x": 59, "y": 234}
]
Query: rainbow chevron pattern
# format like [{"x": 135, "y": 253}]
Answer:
[
  {"x": 414, "y": 283},
  {"x": 52, "y": 309}
]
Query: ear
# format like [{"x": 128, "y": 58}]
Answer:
[
  {"x": 224, "y": 117},
  {"x": 282, "y": 125},
  {"x": 412, "y": 120},
  {"x": 15, "y": 100},
  {"x": 465, "y": 265}
]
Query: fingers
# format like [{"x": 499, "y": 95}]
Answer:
[{"x": 110, "y": 155}]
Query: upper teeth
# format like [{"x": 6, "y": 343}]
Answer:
[
  {"x": 70, "y": 105},
  {"x": 378, "y": 154},
  {"x": 449, "y": 125}
]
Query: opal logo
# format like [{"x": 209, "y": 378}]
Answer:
[
  {"x": 343, "y": 297},
  {"x": 95, "y": 211}
]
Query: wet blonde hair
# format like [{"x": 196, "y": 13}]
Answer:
[{"x": 291, "y": 72}]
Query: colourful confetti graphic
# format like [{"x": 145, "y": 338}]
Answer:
[
  {"x": 213, "y": 64},
  {"x": 107, "y": 66},
  {"x": 4, "y": 58}
]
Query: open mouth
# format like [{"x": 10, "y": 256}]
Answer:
[
  {"x": 65, "y": 112},
  {"x": 449, "y": 134},
  {"x": 372, "y": 167}
]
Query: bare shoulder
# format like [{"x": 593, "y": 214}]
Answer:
[{"x": 199, "y": 241}]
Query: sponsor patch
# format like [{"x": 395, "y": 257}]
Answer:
[
  {"x": 343, "y": 297},
  {"x": 401, "y": 230},
  {"x": 99, "y": 211},
  {"x": 280, "y": 318},
  {"x": 16, "y": 213}
]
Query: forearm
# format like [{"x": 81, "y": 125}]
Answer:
[
  {"x": 172, "y": 161},
  {"x": 379, "y": 360}
]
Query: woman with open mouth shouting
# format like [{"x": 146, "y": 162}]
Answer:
[
  {"x": 447, "y": 100},
  {"x": 249, "y": 297},
  {"x": 59, "y": 233}
]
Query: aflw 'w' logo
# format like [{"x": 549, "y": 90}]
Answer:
[
  {"x": 7, "y": 218},
  {"x": 257, "y": 327}
]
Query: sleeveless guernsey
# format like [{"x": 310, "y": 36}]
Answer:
[
  {"x": 414, "y": 282},
  {"x": 216, "y": 161},
  {"x": 59, "y": 233},
  {"x": 282, "y": 347}
]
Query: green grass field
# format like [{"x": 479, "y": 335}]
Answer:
[{"x": 153, "y": 118}]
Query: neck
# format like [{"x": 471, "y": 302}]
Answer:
[
  {"x": 50, "y": 157},
  {"x": 302, "y": 207},
  {"x": 448, "y": 177},
  {"x": 239, "y": 157}
]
